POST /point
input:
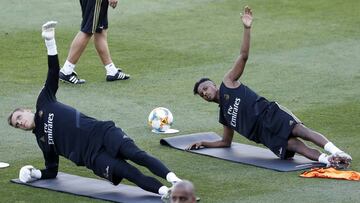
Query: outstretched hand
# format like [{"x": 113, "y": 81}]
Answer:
[
  {"x": 197, "y": 145},
  {"x": 247, "y": 17}
]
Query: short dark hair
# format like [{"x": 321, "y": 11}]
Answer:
[
  {"x": 196, "y": 86},
  {"x": 11, "y": 115}
]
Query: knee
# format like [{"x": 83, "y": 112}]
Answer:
[
  {"x": 297, "y": 129},
  {"x": 141, "y": 156},
  {"x": 85, "y": 34},
  {"x": 293, "y": 144},
  {"x": 300, "y": 131}
]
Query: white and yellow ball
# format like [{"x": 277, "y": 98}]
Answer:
[{"x": 160, "y": 119}]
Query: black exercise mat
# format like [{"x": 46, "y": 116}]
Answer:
[
  {"x": 240, "y": 153},
  {"x": 94, "y": 188}
]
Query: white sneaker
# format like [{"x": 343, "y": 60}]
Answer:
[
  {"x": 166, "y": 197},
  {"x": 48, "y": 30},
  {"x": 339, "y": 160},
  {"x": 344, "y": 156}
]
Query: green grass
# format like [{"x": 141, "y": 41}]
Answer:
[{"x": 304, "y": 54}]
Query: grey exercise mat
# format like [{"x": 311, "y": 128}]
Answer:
[
  {"x": 94, "y": 188},
  {"x": 240, "y": 153}
]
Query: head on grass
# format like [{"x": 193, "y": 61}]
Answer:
[
  {"x": 22, "y": 118},
  {"x": 207, "y": 90},
  {"x": 183, "y": 192}
]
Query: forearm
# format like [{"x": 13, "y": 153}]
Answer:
[
  {"x": 245, "y": 47},
  {"x": 52, "y": 165},
  {"x": 53, "y": 68},
  {"x": 216, "y": 144},
  {"x": 52, "y": 80}
]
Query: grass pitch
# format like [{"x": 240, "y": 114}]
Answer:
[{"x": 304, "y": 54}]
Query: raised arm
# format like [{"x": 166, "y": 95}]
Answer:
[
  {"x": 231, "y": 78},
  {"x": 52, "y": 80}
]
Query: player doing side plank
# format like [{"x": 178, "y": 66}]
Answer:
[
  {"x": 262, "y": 121},
  {"x": 61, "y": 130}
]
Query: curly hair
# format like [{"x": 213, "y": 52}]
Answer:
[{"x": 196, "y": 86}]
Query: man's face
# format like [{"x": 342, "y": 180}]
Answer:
[
  {"x": 23, "y": 120},
  {"x": 180, "y": 195},
  {"x": 207, "y": 90}
]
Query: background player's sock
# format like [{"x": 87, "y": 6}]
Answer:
[
  {"x": 324, "y": 158},
  {"x": 68, "y": 68},
  {"x": 111, "y": 69},
  {"x": 172, "y": 178},
  {"x": 51, "y": 47},
  {"x": 330, "y": 147}
]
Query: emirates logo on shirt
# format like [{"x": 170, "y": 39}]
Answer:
[
  {"x": 233, "y": 111},
  {"x": 48, "y": 128}
]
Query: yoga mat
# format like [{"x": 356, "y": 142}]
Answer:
[
  {"x": 241, "y": 153},
  {"x": 94, "y": 188}
]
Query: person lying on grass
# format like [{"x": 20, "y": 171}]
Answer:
[{"x": 262, "y": 121}]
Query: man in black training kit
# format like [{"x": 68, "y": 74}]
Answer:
[
  {"x": 98, "y": 145},
  {"x": 260, "y": 120}
]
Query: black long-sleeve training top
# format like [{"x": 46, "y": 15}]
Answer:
[{"x": 62, "y": 130}]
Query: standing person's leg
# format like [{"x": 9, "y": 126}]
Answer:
[
  {"x": 112, "y": 72},
  {"x": 102, "y": 48},
  {"x": 77, "y": 47},
  {"x": 101, "y": 44},
  {"x": 89, "y": 10}
]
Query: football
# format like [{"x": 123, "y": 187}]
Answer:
[{"x": 160, "y": 119}]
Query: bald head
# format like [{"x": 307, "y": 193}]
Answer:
[{"x": 183, "y": 192}]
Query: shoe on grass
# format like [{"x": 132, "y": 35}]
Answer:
[
  {"x": 71, "y": 78},
  {"x": 118, "y": 76}
]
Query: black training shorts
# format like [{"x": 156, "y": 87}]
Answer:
[
  {"x": 117, "y": 148},
  {"x": 94, "y": 15},
  {"x": 275, "y": 126}
]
